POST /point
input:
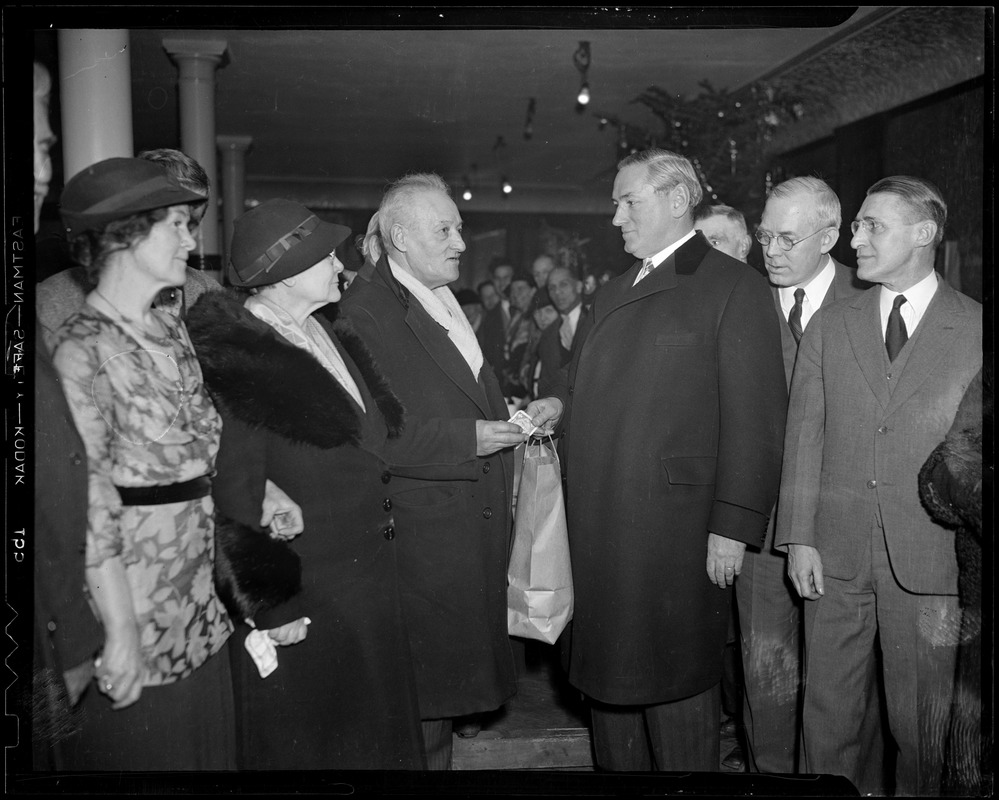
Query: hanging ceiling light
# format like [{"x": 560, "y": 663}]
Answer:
[
  {"x": 529, "y": 122},
  {"x": 506, "y": 186},
  {"x": 581, "y": 58},
  {"x": 466, "y": 193}
]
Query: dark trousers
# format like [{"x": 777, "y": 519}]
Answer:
[
  {"x": 438, "y": 743},
  {"x": 677, "y": 736},
  {"x": 770, "y": 633}
]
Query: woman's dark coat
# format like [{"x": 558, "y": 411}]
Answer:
[
  {"x": 952, "y": 484},
  {"x": 345, "y": 697},
  {"x": 454, "y": 535}
]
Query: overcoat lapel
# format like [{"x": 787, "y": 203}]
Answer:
[
  {"x": 434, "y": 340},
  {"x": 863, "y": 327},
  {"x": 663, "y": 278}
]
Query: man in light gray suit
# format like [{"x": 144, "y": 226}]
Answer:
[
  {"x": 876, "y": 385},
  {"x": 799, "y": 227}
]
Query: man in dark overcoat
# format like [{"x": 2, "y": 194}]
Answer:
[
  {"x": 454, "y": 536},
  {"x": 674, "y": 408}
]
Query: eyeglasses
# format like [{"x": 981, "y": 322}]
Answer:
[
  {"x": 784, "y": 242},
  {"x": 870, "y": 226}
]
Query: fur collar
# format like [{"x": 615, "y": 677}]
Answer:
[{"x": 254, "y": 374}]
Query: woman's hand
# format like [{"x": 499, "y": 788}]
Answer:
[
  {"x": 290, "y": 632},
  {"x": 282, "y": 514},
  {"x": 119, "y": 669}
]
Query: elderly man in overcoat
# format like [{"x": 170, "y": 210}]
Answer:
[
  {"x": 674, "y": 408},
  {"x": 454, "y": 536}
]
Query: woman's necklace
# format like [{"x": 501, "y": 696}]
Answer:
[
  {"x": 137, "y": 328},
  {"x": 142, "y": 327}
]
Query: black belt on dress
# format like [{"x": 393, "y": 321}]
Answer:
[{"x": 167, "y": 493}]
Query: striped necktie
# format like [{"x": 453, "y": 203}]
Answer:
[
  {"x": 647, "y": 267},
  {"x": 794, "y": 318}
]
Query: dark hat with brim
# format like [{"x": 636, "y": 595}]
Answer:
[
  {"x": 117, "y": 188},
  {"x": 279, "y": 239}
]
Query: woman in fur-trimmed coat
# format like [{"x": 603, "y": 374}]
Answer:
[
  {"x": 952, "y": 483},
  {"x": 304, "y": 406},
  {"x": 344, "y": 697}
]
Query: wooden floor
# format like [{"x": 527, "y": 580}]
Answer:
[{"x": 543, "y": 727}]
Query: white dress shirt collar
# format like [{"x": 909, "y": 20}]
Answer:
[
  {"x": 573, "y": 316},
  {"x": 917, "y": 299},
  {"x": 665, "y": 253},
  {"x": 815, "y": 293}
]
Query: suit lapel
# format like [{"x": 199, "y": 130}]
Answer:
[
  {"x": 789, "y": 348},
  {"x": 928, "y": 346},
  {"x": 863, "y": 328}
]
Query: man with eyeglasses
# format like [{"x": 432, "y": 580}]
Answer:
[
  {"x": 876, "y": 386},
  {"x": 799, "y": 227}
]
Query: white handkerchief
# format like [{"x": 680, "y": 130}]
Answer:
[{"x": 263, "y": 652}]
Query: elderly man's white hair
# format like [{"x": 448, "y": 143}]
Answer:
[{"x": 397, "y": 207}]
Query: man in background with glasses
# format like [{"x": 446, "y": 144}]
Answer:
[
  {"x": 877, "y": 383},
  {"x": 799, "y": 227}
]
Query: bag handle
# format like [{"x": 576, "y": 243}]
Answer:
[{"x": 541, "y": 441}]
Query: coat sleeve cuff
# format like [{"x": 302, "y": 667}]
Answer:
[{"x": 739, "y": 523}]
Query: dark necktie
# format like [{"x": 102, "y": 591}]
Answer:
[
  {"x": 794, "y": 318},
  {"x": 896, "y": 335}
]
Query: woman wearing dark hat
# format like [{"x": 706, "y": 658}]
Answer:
[
  {"x": 304, "y": 405},
  {"x": 163, "y": 699}
]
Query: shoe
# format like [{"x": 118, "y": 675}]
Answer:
[
  {"x": 734, "y": 762},
  {"x": 468, "y": 730},
  {"x": 728, "y": 728}
]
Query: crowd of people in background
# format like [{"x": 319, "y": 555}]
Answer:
[
  {"x": 281, "y": 541},
  {"x": 526, "y": 322}
]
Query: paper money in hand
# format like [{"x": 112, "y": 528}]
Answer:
[{"x": 523, "y": 419}]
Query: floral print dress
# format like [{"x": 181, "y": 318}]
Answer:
[{"x": 141, "y": 408}]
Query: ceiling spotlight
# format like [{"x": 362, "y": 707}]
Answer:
[
  {"x": 603, "y": 123},
  {"x": 467, "y": 194},
  {"x": 506, "y": 185}
]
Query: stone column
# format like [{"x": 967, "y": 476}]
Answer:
[
  {"x": 233, "y": 150},
  {"x": 197, "y": 60},
  {"x": 95, "y": 92}
]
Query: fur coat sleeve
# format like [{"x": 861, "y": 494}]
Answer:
[{"x": 952, "y": 480}]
